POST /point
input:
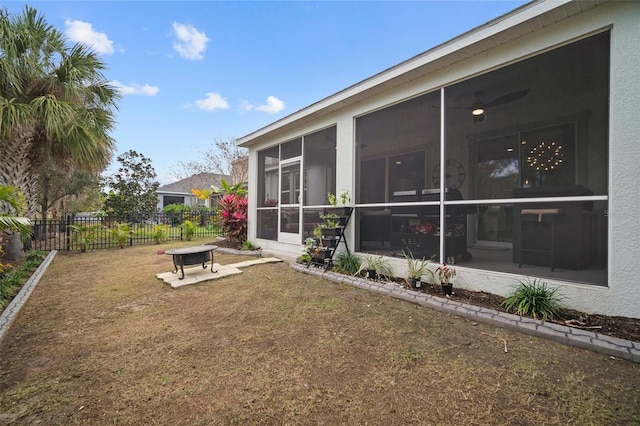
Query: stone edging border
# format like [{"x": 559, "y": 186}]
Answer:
[
  {"x": 11, "y": 311},
  {"x": 596, "y": 342}
]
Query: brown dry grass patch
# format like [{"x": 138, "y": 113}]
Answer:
[{"x": 101, "y": 341}]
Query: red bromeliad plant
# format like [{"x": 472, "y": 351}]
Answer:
[{"x": 233, "y": 217}]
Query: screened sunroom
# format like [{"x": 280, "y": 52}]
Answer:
[{"x": 510, "y": 151}]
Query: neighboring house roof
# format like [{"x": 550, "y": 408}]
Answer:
[
  {"x": 199, "y": 181},
  {"x": 526, "y": 19}
]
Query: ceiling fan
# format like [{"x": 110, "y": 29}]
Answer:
[{"x": 479, "y": 107}]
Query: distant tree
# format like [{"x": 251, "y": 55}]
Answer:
[
  {"x": 90, "y": 199},
  {"x": 56, "y": 183},
  {"x": 132, "y": 188},
  {"x": 54, "y": 103},
  {"x": 224, "y": 157}
]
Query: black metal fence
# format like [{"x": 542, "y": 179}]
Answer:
[{"x": 76, "y": 232}]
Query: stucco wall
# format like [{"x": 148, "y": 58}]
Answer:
[{"x": 622, "y": 297}]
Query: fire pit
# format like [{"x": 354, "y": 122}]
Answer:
[{"x": 191, "y": 256}]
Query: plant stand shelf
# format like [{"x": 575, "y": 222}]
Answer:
[{"x": 332, "y": 238}]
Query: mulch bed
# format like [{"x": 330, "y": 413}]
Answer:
[{"x": 621, "y": 327}]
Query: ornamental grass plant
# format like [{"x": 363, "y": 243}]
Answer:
[{"x": 535, "y": 299}]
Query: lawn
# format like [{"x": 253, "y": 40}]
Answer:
[{"x": 102, "y": 341}]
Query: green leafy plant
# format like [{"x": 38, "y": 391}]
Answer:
[
  {"x": 348, "y": 263},
  {"x": 345, "y": 197},
  {"x": 416, "y": 268},
  {"x": 175, "y": 212},
  {"x": 83, "y": 235},
  {"x": 121, "y": 232},
  {"x": 248, "y": 245},
  {"x": 189, "y": 229},
  {"x": 308, "y": 249},
  {"x": 304, "y": 258},
  {"x": 534, "y": 299},
  {"x": 12, "y": 278},
  {"x": 317, "y": 232},
  {"x": 331, "y": 223},
  {"x": 159, "y": 233},
  {"x": 225, "y": 188},
  {"x": 377, "y": 264}
]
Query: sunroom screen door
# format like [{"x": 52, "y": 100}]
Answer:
[{"x": 290, "y": 198}]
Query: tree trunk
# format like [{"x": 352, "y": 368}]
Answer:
[
  {"x": 13, "y": 248},
  {"x": 16, "y": 169}
]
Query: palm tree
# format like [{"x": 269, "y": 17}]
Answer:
[
  {"x": 55, "y": 104},
  {"x": 12, "y": 225}
]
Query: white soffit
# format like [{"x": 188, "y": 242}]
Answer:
[{"x": 524, "y": 20}]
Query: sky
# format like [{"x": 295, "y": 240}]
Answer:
[{"x": 193, "y": 72}]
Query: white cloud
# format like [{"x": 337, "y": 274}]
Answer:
[
  {"x": 212, "y": 102},
  {"x": 272, "y": 106},
  {"x": 190, "y": 43},
  {"x": 135, "y": 89},
  {"x": 246, "y": 106},
  {"x": 83, "y": 32}
]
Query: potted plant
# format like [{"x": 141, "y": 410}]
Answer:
[
  {"x": 374, "y": 267},
  {"x": 445, "y": 273},
  {"x": 315, "y": 252},
  {"x": 332, "y": 220},
  {"x": 345, "y": 198},
  {"x": 416, "y": 268}
]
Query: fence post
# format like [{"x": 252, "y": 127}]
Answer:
[
  {"x": 67, "y": 232},
  {"x": 130, "y": 233}
]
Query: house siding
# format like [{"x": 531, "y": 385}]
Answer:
[{"x": 622, "y": 295}]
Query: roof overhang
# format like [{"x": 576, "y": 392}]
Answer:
[{"x": 524, "y": 20}]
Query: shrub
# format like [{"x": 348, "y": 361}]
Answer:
[
  {"x": 348, "y": 263},
  {"x": 83, "y": 235},
  {"x": 233, "y": 217},
  {"x": 535, "y": 299},
  {"x": 189, "y": 229},
  {"x": 159, "y": 233},
  {"x": 121, "y": 232},
  {"x": 248, "y": 245},
  {"x": 12, "y": 278},
  {"x": 175, "y": 211},
  {"x": 34, "y": 258}
]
